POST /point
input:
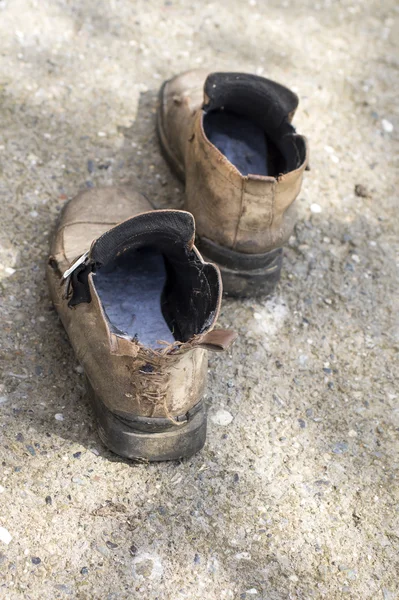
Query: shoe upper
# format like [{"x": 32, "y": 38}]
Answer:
[
  {"x": 230, "y": 136},
  {"x": 137, "y": 301}
]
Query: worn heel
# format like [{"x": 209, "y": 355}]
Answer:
[
  {"x": 244, "y": 274},
  {"x": 151, "y": 438}
]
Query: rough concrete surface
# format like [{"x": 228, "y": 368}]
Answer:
[{"x": 295, "y": 495}]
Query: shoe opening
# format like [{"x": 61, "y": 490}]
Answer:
[
  {"x": 157, "y": 290},
  {"x": 247, "y": 118}
]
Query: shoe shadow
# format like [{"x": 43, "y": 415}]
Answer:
[
  {"x": 42, "y": 380},
  {"x": 142, "y": 158}
]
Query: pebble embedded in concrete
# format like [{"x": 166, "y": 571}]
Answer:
[
  {"x": 315, "y": 208},
  {"x": 387, "y": 125},
  {"x": 5, "y": 536},
  {"x": 147, "y": 566},
  {"x": 221, "y": 417}
]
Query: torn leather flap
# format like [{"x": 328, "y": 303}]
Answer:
[
  {"x": 121, "y": 346},
  {"x": 217, "y": 340}
]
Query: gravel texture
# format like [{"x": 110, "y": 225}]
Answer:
[{"x": 295, "y": 495}]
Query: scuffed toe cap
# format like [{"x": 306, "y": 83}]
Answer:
[{"x": 90, "y": 214}]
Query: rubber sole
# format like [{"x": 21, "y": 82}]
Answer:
[
  {"x": 243, "y": 275},
  {"x": 150, "y": 438}
]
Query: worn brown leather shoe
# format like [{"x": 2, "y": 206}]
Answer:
[
  {"x": 229, "y": 136},
  {"x": 139, "y": 305}
]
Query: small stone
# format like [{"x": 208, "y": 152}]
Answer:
[
  {"x": 302, "y": 359},
  {"x": 387, "y": 125},
  {"x": 77, "y": 454},
  {"x": 147, "y": 566},
  {"x": 315, "y": 208},
  {"x": 78, "y": 481},
  {"x": 352, "y": 433},
  {"x": 79, "y": 369},
  {"x": 197, "y": 559},
  {"x": 222, "y": 417},
  {"x": 102, "y": 134},
  {"x": 59, "y": 417},
  {"x": 31, "y": 450},
  {"x": 361, "y": 191},
  {"x": 340, "y": 448},
  {"x": 243, "y": 556},
  {"x": 102, "y": 550},
  {"x": 3, "y": 399},
  {"x": 5, "y": 536},
  {"x": 2, "y": 489},
  {"x": 84, "y": 571},
  {"x": 63, "y": 588},
  {"x": 133, "y": 550},
  {"x": 111, "y": 545},
  {"x": 36, "y": 560},
  {"x": 49, "y": 500},
  {"x": 95, "y": 451},
  {"x": 351, "y": 574},
  {"x": 355, "y": 258}
]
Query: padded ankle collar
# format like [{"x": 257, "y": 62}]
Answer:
[
  {"x": 266, "y": 102},
  {"x": 164, "y": 228}
]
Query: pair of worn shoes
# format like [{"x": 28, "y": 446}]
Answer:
[{"x": 138, "y": 301}]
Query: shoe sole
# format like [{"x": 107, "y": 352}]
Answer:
[
  {"x": 150, "y": 438},
  {"x": 243, "y": 275}
]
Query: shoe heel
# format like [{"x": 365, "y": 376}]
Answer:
[
  {"x": 150, "y": 438},
  {"x": 244, "y": 274}
]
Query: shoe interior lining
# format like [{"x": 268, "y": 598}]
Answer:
[
  {"x": 157, "y": 292},
  {"x": 259, "y": 113},
  {"x": 244, "y": 144},
  {"x": 130, "y": 290}
]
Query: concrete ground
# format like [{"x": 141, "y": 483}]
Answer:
[{"x": 295, "y": 495}]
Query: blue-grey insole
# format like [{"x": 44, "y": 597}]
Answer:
[
  {"x": 242, "y": 142},
  {"x": 131, "y": 297}
]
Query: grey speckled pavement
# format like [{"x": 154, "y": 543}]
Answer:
[{"x": 295, "y": 493}]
